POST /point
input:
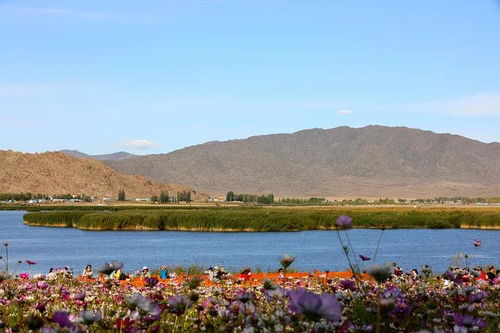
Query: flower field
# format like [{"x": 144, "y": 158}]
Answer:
[{"x": 294, "y": 302}]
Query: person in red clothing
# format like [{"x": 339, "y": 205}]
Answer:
[
  {"x": 481, "y": 274},
  {"x": 246, "y": 274}
]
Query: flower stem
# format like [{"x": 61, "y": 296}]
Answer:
[
  {"x": 347, "y": 255},
  {"x": 378, "y": 244}
]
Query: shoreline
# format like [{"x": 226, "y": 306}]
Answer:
[{"x": 233, "y": 230}]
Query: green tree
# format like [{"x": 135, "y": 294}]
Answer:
[
  {"x": 164, "y": 197},
  {"x": 121, "y": 195},
  {"x": 230, "y": 196}
]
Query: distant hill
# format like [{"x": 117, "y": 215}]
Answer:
[
  {"x": 118, "y": 156},
  {"x": 58, "y": 173},
  {"x": 341, "y": 162}
]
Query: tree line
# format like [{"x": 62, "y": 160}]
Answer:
[
  {"x": 266, "y": 199},
  {"x": 163, "y": 198},
  {"x": 38, "y": 196}
]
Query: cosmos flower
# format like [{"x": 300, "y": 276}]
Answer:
[
  {"x": 464, "y": 323},
  {"x": 477, "y": 297},
  {"x": 364, "y": 258},
  {"x": 179, "y": 304},
  {"x": 144, "y": 304},
  {"x": 89, "y": 317},
  {"x": 110, "y": 267},
  {"x": 314, "y": 306},
  {"x": 379, "y": 272},
  {"x": 151, "y": 281},
  {"x": 287, "y": 260},
  {"x": 274, "y": 294},
  {"x": 348, "y": 284},
  {"x": 30, "y": 262},
  {"x": 62, "y": 319},
  {"x": 42, "y": 285},
  {"x": 476, "y": 242},
  {"x": 344, "y": 222}
]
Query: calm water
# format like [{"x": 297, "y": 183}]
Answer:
[{"x": 57, "y": 247}]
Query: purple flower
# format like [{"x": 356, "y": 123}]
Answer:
[
  {"x": 274, "y": 294},
  {"x": 476, "y": 242},
  {"x": 144, "y": 304},
  {"x": 314, "y": 306},
  {"x": 391, "y": 293},
  {"x": 179, "y": 304},
  {"x": 477, "y": 297},
  {"x": 400, "y": 310},
  {"x": 244, "y": 296},
  {"x": 62, "y": 319},
  {"x": 344, "y": 222},
  {"x": 467, "y": 321},
  {"x": 151, "y": 281},
  {"x": 364, "y": 258},
  {"x": 347, "y": 284},
  {"x": 30, "y": 262}
]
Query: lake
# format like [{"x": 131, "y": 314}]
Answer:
[{"x": 410, "y": 248}]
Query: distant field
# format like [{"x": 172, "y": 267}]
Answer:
[{"x": 262, "y": 218}]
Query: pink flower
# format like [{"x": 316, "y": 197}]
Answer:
[
  {"x": 30, "y": 262},
  {"x": 476, "y": 242},
  {"x": 24, "y": 276}
]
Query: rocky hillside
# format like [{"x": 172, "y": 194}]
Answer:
[
  {"x": 58, "y": 173},
  {"x": 370, "y": 161}
]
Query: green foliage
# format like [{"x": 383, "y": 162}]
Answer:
[
  {"x": 184, "y": 196},
  {"x": 164, "y": 198},
  {"x": 121, "y": 195},
  {"x": 262, "y": 219},
  {"x": 265, "y": 199}
]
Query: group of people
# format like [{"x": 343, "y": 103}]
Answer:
[
  {"x": 217, "y": 274},
  {"x": 119, "y": 274},
  {"x": 466, "y": 275}
]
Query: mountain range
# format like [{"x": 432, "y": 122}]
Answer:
[
  {"x": 372, "y": 161},
  {"x": 57, "y": 173},
  {"x": 118, "y": 156}
]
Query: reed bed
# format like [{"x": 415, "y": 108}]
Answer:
[{"x": 265, "y": 219}]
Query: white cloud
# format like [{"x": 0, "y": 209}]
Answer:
[
  {"x": 345, "y": 111},
  {"x": 142, "y": 144},
  {"x": 480, "y": 104}
]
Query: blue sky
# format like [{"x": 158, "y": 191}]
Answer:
[{"x": 153, "y": 76}]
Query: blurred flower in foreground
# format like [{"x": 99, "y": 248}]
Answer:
[
  {"x": 364, "y": 258},
  {"x": 344, "y": 222},
  {"x": 287, "y": 260},
  {"x": 379, "y": 272},
  {"x": 314, "y": 306},
  {"x": 110, "y": 267}
]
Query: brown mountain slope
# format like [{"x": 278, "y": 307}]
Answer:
[
  {"x": 368, "y": 161},
  {"x": 58, "y": 173}
]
